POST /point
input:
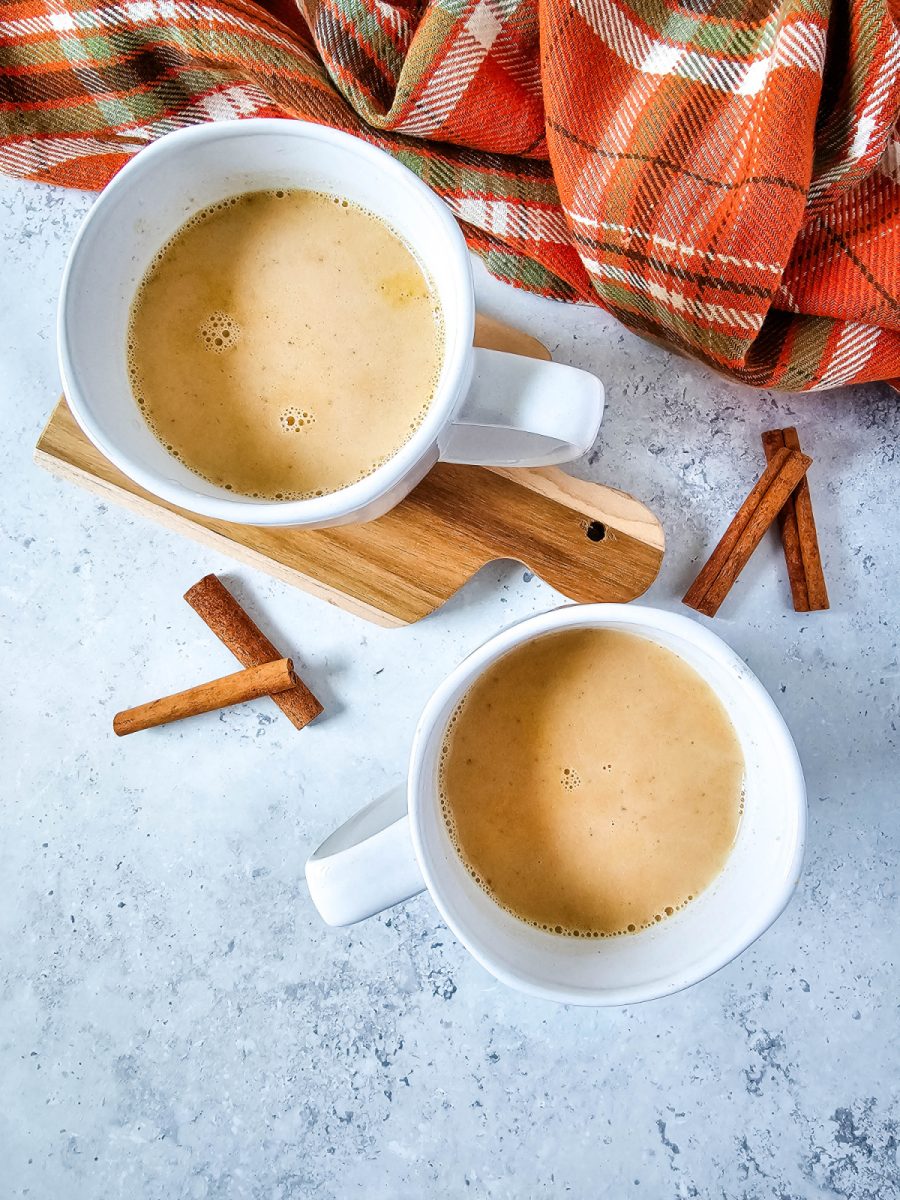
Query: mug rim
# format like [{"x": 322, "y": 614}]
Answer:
[
  {"x": 316, "y": 510},
  {"x": 597, "y": 616}
]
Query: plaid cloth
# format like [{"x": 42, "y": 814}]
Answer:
[{"x": 721, "y": 175}]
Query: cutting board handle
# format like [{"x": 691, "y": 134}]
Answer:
[{"x": 523, "y": 412}]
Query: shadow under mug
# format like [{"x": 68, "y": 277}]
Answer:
[
  {"x": 488, "y": 407},
  {"x": 399, "y": 845}
]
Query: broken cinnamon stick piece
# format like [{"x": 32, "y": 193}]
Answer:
[
  {"x": 213, "y": 602},
  {"x": 798, "y": 533},
  {"x": 249, "y": 684},
  {"x": 784, "y": 471}
]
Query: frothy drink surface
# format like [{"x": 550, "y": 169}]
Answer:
[
  {"x": 591, "y": 781},
  {"x": 284, "y": 344}
]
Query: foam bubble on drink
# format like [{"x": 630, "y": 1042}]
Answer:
[
  {"x": 219, "y": 332},
  {"x": 570, "y": 779},
  {"x": 296, "y": 420}
]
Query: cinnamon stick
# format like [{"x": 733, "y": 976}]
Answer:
[
  {"x": 249, "y": 684},
  {"x": 213, "y": 602},
  {"x": 798, "y": 533},
  {"x": 784, "y": 471}
]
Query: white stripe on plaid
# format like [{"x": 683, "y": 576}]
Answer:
[
  {"x": 678, "y": 247},
  {"x": 162, "y": 12},
  {"x": 784, "y": 298},
  {"x": 26, "y": 26},
  {"x": 697, "y": 310},
  {"x": 444, "y": 89},
  {"x": 511, "y": 220},
  {"x": 23, "y": 158},
  {"x": 41, "y": 154},
  {"x": 525, "y": 70},
  {"x": 394, "y": 17},
  {"x": 852, "y": 352},
  {"x": 597, "y": 170},
  {"x": 798, "y": 44}
]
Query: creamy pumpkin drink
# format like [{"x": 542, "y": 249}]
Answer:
[
  {"x": 284, "y": 344},
  {"x": 591, "y": 781}
]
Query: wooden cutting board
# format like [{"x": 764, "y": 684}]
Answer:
[{"x": 589, "y": 541}]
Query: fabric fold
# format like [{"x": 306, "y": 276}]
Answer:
[{"x": 722, "y": 176}]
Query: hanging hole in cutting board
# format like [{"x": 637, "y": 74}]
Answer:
[{"x": 596, "y": 531}]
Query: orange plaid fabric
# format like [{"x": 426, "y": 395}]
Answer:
[{"x": 721, "y": 175}]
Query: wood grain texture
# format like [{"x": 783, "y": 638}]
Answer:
[{"x": 407, "y": 563}]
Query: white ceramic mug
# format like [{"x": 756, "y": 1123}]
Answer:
[
  {"x": 399, "y": 845},
  {"x": 488, "y": 408}
]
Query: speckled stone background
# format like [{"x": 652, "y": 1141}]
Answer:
[{"x": 174, "y": 1019}]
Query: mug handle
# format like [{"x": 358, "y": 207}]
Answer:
[
  {"x": 366, "y": 865},
  {"x": 523, "y": 412}
]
